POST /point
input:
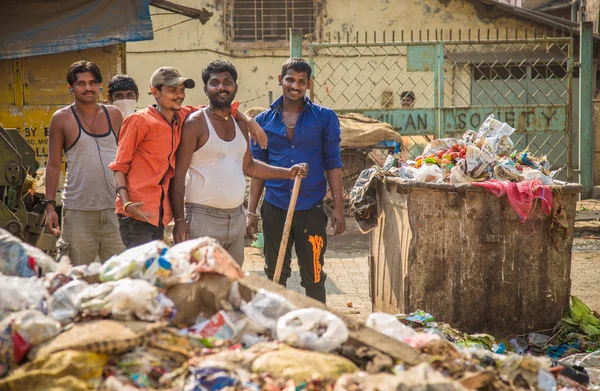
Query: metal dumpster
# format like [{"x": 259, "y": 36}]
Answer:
[{"x": 461, "y": 254}]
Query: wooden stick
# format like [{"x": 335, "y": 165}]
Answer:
[{"x": 286, "y": 229}]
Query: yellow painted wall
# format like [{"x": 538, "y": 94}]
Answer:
[
  {"x": 190, "y": 45},
  {"x": 33, "y": 88}
]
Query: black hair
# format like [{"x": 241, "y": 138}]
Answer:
[
  {"x": 122, "y": 83},
  {"x": 408, "y": 94},
  {"x": 298, "y": 65},
  {"x": 82, "y": 67},
  {"x": 218, "y": 66}
]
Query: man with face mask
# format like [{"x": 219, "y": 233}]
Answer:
[
  {"x": 212, "y": 158},
  {"x": 123, "y": 93},
  {"x": 86, "y": 132},
  {"x": 146, "y": 159}
]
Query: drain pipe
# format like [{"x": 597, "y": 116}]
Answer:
[{"x": 574, "y": 10}]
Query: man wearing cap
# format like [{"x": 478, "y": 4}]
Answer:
[{"x": 145, "y": 160}]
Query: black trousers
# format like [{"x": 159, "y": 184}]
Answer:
[
  {"x": 308, "y": 235},
  {"x": 135, "y": 233}
]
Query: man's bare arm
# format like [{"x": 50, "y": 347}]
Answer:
[
  {"x": 257, "y": 169},
  {"x": 56, "y": 144},
  {"x": 116, "y": 119},
  {"x": 338, "y": 222},
  {"x": 183, "y": 157}
]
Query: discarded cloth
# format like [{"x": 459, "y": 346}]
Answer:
[{"x": 521, "y": 195}]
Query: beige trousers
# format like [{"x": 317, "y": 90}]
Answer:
[
  {"x": 87, "y": 235},
  {"x": 228, "y": 226}
]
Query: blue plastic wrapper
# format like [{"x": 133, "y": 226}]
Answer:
[
  {"x": 420, "y": 317},
  {"x": 209, "y": 379}
]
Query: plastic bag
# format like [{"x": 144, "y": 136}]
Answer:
[
  {"x": 389, "y": 325},
  {"x": 204, "y": 255},
  {"x": 221, "y": 326},
  {"x": 534, "y": 174},
  {"x": 65, "y": 302},
  {"x": 507, "y": 171},
  {"x": 14, "y": 260},
  {"x": 407, "y": 171},
  {"x": 81, "y": 271},
  {"x": 441, "y": 144},
  {"x": 313, "y": 329},
  {"x": 18, "y": 293},
  {"x": 133, "y": 262},
  {"x": 497, "y": 135},
  {"x": 479, "y": 159},
  {"x": 429, "y": 173},
  {"x": 266, "y": 308},
  {"x": 34, "y": 326},
  {"x": 124, "y": 299}
]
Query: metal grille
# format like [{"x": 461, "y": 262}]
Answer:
[
  {"x": 524, "y": 81},
  {"x": 270, "y": 20}
]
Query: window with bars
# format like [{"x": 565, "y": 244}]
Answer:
[{"x": 270, "y": 20}]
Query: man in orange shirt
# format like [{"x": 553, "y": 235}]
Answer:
[{"x": 145, "y": 160}]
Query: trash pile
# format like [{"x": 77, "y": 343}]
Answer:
[
  {"x": 571, "y": 353},
  {"x": 483, "y": 158},
  {"x": 477, "y": 157},
  {"x": 181, "y": 318}
]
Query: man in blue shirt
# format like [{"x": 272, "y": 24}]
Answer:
[{"x": 299, "y": 131}]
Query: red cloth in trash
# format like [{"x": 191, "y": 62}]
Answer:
[{"x": 521, "y": 194}]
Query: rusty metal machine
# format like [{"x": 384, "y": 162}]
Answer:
[{"x": 22, "y": 210}]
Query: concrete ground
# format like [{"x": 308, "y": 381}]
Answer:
[{"x": 347, "y": 269}]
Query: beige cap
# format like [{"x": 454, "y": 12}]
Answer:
[{"x": 170, "y": 77}]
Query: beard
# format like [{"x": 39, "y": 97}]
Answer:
[{"x": 218, "y": 103}]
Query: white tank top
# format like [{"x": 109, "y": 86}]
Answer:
[{"x": 216, "y": 177}]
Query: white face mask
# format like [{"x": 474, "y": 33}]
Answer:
[{"x": 127, "y": 106}]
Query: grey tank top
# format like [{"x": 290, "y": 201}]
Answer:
[{"x": 89, "y": 184}]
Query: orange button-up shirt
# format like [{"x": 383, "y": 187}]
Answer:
[{"x": 146, "y": 155}]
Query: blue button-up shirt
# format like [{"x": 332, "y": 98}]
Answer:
[{"x": 316, "y": 142}]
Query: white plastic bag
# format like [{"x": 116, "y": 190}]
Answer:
[
  {"x": 19, "y": 293},
  {"x": 441, "y": 144},
  {"x": 429, "y": 173},
  {"x": 458, "y": 175},
  {"x": 125, "y": 299},
  {"x": 14, "y": 260},
  {"x": 133, "y": 263},
  {"x": 313, "y": 329},
  {"x": 532, "y": 174},
  {"x": 65, "y": 303},
  {"x": 389, "y": 325},
  {"x": 266, "y": 308},
  {"x": 34, "y": 326},
  {"x": 497, "y": 135}
]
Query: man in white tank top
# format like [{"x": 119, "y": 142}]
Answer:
[
  {"x": 207, "y": 191},
  {"x": 87, "y": 133}
]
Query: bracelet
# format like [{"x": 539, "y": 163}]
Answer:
[
  {"x": 181, "y": 219},
  {"x": 119, "y": 188},
  {"x": 252, "y": 214},
  {"x": 126, "y": 205},
  {"x": 48, "y": 202}
]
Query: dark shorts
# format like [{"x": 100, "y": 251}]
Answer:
[
  {"x": 308, "y": 235},
  {"x": 135, "y": 233}
]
